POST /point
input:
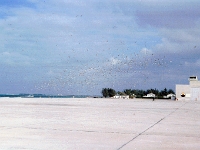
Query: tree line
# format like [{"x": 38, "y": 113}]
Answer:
[{"x": 109, "y": 92}]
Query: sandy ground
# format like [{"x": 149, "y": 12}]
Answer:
[{"x": 113, "y": 124}]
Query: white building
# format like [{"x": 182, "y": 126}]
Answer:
[
  {"x": 121, "y": 96},
  {"x": 170, "y": 95},
  {"x": 150, "y": 95},
  {"x": 191, "y": 91}
]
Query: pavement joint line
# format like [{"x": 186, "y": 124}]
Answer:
[
  {"x": 87, "y": 131},
  {"x": 150, "y": 127}
]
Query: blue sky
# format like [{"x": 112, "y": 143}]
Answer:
[{"x": 80, "y": 47}]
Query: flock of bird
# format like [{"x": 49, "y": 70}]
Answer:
[{"x": 114, "y": 71}]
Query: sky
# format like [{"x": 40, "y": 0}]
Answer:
[{"x": 78, "y": 47}]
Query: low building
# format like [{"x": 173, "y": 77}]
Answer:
[
  {"x": 150, "y": 95},
  {"x": 191, "y": 91},
  {"x": 121, "y": 96},
  {"x": 170, "y": 95}
]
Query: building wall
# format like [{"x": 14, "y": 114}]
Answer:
[
  {"x": 182, "y": 89},
  {"x": 195, "y": 93},
  {"x": 192, "y": 90},
  {"x": 195, "y": 84}
]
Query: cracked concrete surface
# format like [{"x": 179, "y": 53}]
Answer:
[{"x": 53, "y": 123}]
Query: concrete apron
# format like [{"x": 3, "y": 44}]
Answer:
[{"x": 99, "y": 124}]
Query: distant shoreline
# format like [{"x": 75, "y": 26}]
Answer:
[{"x": 43, "y": 96}]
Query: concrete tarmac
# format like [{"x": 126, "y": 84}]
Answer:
[{"x": 101, "y": 124}]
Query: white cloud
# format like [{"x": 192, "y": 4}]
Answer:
[
  {"x": 179, "y": 41},
  {"x": 114, "y": 61},
  {"x": 182, "y": 36},
  {"x": 193, "y": 64},
  {"x": 197, "y": 63},
  {"x": 14, "y": 59},
  {"x": 146, "y": 51}
]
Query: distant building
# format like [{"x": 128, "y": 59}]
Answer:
[
  {"x": 121, "y": 96},
  {"x": 170, "y": 95},
  {"x": 191, "y": 91},
  {"x": 150, "y": 95}
]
